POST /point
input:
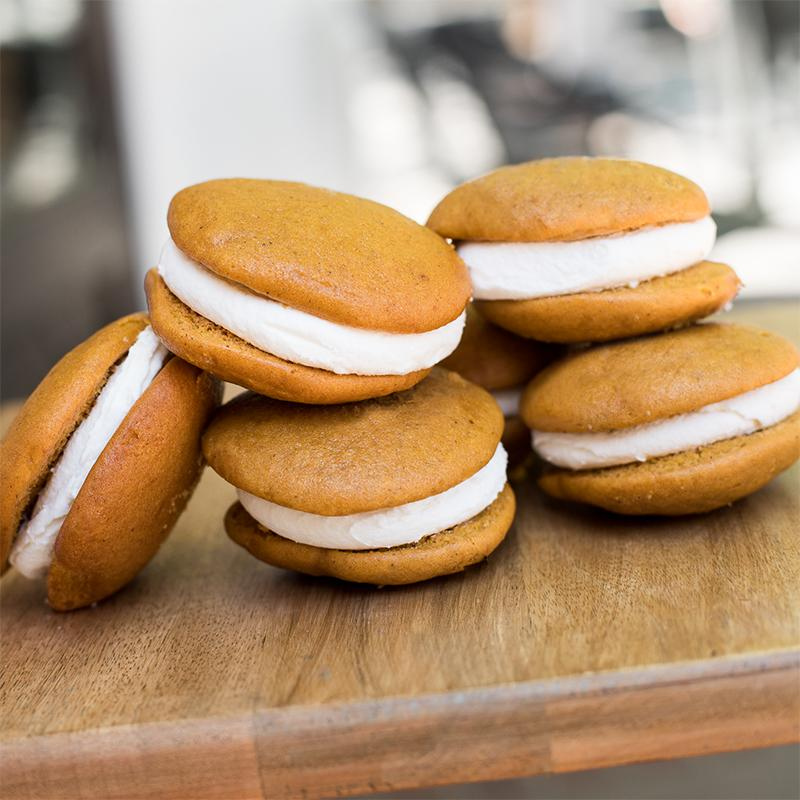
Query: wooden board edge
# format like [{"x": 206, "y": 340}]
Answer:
[{"x": 509, "y": 731}]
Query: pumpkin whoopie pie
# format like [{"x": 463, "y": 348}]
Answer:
[
  {"x": 502, "y": 363},
  {"x": 101, "y": 461},
  {"x": 586, "y": 249},
  {"x": 677, "y": 423},
  {"x": 391, "y": 490},
  {"x": 304, "y": 294}
]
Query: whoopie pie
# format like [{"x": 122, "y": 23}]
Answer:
[
  {"x": 302, "y": 293},
  {"x": 101, "y": 461},
  {"x": 677, "y": 423},
  {"x": 586, "y": 249},
  {"x": 390, "y": 490}
]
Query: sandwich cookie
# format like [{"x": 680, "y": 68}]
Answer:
[
  {"x": 503, "y": 364},
  {"x": 101, "y": 461},
  {"x": 304, "y": 294},
  {"x": 386, "y": 491},
  {"x": 586, "y": 249},
  {"x": 679, "y": 423}
]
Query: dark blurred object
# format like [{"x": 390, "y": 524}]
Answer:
[
  {"x": 65, "y": 269},
  {"x": 535, "y": 114},
  {"x": 708, "y": 88}
]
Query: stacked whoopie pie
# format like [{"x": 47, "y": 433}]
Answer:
[
  {"x": 351, "y": 457},
  {"x": 304, "y": 294},
  {"x": 391, "y": 490},
  {"x": 311, "y": 299},
  {"x": 582, "y": 250},
  {"x": 586, "y": 249}
]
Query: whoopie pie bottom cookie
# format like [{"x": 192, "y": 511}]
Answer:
[{"x": 616, "y": 313}]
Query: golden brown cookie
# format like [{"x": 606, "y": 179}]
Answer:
[
  {"x": 230, "y": 358},
  {"x": 689, "y": 482},
  {"x": 44, "y": 424},
  {"x": 442, "y": 553},
  {"x": 635, "y": 382},
  {"x": 138, "y": 486},
  {"x": 494, "y": 358},
  {"x": 136, "y": 490},
  {"x": 347, "y": 459},
  {"x": 564, "y": 199},
  {"x": 339, "y": 257},
  {"x": 682, "y": 297}
]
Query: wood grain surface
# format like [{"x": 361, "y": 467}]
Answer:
[{"x": 586, "y": 640}]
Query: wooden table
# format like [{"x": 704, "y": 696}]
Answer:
[{"x": 586, "y": 640}]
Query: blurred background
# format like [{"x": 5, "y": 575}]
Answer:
[{"x": 108, "y": 108}]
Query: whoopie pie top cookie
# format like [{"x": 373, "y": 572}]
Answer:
[
  {"x": 557, "y": 248},
  {"x": 100, "y": 462},
  {"x": 667, "y": 424},
  {"x": 565, "y": 200},
  {"x": 364, "y": 477},
  {"x": 303, "y": 293}
]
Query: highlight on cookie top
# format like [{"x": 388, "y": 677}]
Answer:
[
  {"x": 391, "y": 490},
  {"x": 304, "y": 294},
  {"x": 100, "y": 462},
  {"x": 502, "y": 363},
  {"x": 678, "y": 423},
  {"x": 586, "y": 249}
]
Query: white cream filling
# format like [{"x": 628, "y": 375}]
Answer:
[
  {"x": 33, "y": 549},
  {"x": 737, "y": 416},
  {"x": 524, "y": 270},
  {"x": 300, "y": 337},
  {"x": 508, "y": 400},
  {"x": 386, "y": 527}
]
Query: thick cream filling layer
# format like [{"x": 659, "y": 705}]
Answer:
[
  {"x": 386, "y": 527},
  {"x": 524, "y": 270},
  {"x": 737, "y": 416},
  {"x": 33, "y": 548},
  {"x": 300, "y": 337}
]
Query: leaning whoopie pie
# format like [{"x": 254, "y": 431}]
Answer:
[
  {"x": 391, "y": 490},
  {"x": 304, "y": 294},
  {"x": 503, "y": 364},
  {"x": 586, "y": 249},
  {"x": 678, "y": 423},
  {"x": 101, "y": 461}
]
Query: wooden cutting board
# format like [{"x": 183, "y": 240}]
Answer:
[{"x": 586, "y": 640}]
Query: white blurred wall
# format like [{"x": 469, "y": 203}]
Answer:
[{"x": 208, "y": 89}]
